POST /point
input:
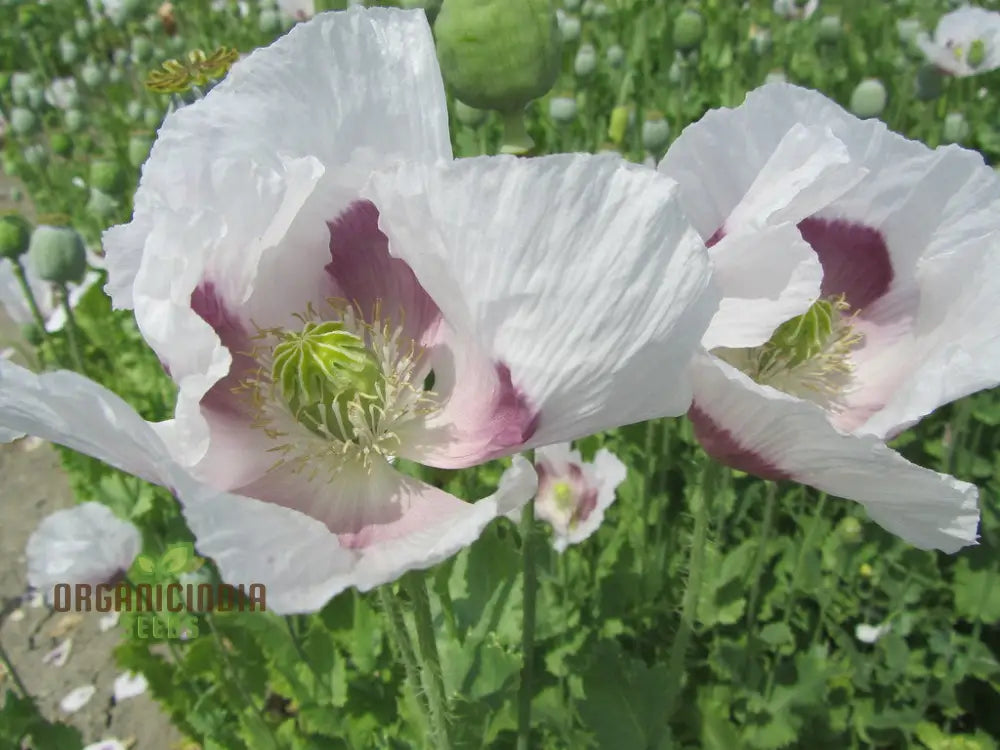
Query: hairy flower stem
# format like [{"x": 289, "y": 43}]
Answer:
[
  {"x": 72, "y": 330},
  {"x": 527, "y": 627},
  {"x": 403, "y": 645},
  {"x": 433, "y": 680},
  {"x": 29, "y": 296},
  {"x": 692, "y": 589}
]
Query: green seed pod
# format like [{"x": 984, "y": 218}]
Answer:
[
  {"x": 107, "y": 175},
  {"x": 469, "y": 116},
  {"x": 850, "y": 530},
  {"x": 92, "y": 75},
  {"x": 956, "y": 129},
  {"x": 830, "y": 29},
  {"x": 101, "y": 205},
  {"x": 615, "y": 56},
  {"x": 569, "y": 27},
  {"x": 269, "y": 21},
  {"x": 58, "y": 254},
  {"x": 562, "y": 109},
  {"x": 15, "y": 235},
  {"x": 69, "y": 53},
  {"x": 689, "y": 30},
  {"x": 32, "y": 333},
  {"x": 498, "y": 54},
  {"x": 930, "y": 82},
  {"x": 139, "y": 145},
  {"x": 23, "y": 121},
  {"x": 585, "y": 62},
  {"x": 74, "y": 120},
  {"x": 61, "y": 144},
  {"x": 655, "y": 132},
  {"x": 869, "y": 98}
]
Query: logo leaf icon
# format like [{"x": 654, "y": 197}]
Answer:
[
  {"x": 145, "y": 564},
  {"x": 175, "y": 560}
]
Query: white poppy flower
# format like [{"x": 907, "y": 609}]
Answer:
[
  {"x": 77, "y": 698},
  {"x": 906, "y": 319},
  {"x": 871, "y": 633},
  {"x": 83, "y": 544},
  {"x": 795, "y": 9},
  {"x": 358, "y": 297},
  {"x": 966, "y": 42},
  {"x": 13, "y": 301},
  {"x": 129, "y": 685},
  {"x": 572, "y": 494}
]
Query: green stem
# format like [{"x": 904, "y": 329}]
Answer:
[
  {"x": 72, "y": 330},
  {"x": 9, "y": 666},
  {"x": 516, "y": 140},
  {"x": 758, "y": 560},
  {"x": 957, "y": 427},
  {"x": 527, "y": 628},
  {"x": 433, "y": 680},
  {"x": 400, "y": 637},
  {"x": 692, "y": 590},
  {"x": 22, "y": 281}
]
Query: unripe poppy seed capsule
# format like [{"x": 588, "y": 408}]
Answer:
[{"x": 58, "y": 254}]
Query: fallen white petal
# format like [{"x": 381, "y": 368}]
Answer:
[
  {"x": 77, "y": 699},
  {"x": 108, "y": 621},
  {"x": 128, "y": 685}
]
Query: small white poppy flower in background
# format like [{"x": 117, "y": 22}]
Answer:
[
  {"x": 966, "y": 42},
  {"x": 871, "y": 633},
  {"x": 77, "y": 698},
  {"x": 819, "y": 371},
  {"x": 83, "y": 544},
  {"x": 572, "y": 494},
  {"x": 129, "y": 685},
  {"x": 360, "y": 296},
  {"x": 797, "y": 9}
]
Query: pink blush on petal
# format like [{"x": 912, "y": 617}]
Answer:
[{"x": 721, "y": 445}]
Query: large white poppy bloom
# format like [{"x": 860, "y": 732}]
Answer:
[
  {"x": 332, "y": 292},
  {"x": 83, "y": 544},
  {"x": 966, "y": 42},
  {"x": 909, "y": 242}
]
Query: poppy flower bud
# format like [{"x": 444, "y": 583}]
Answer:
[
  {"x": 15, "y": 234},
  {"x": 655, "y": 132},
  {"x": 585, "y": 61},
  {"x": 498, "y": 54},
  {"x": 689, "y": 30},
  {"x": 830, "y": 29},
  {"x": 956, "y": 128},
  {"x": 562, "y": 109},
  {"x": 868, "y": 98},
  {"x": 23, "y": 121}
]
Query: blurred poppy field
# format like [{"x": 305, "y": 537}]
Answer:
[{"x": 701, "y": 606}]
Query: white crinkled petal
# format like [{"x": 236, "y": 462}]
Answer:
[
  {"x": 83, "y": 544},
  {"x": 579, "y": 273},
  {"x": 927, "y": 509}
]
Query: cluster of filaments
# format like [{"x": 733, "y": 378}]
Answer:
[
  {"x": 338, "y": 391},
  {"x": 808, "y": 356}
]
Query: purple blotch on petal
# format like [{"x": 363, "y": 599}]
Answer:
[
  {"x": 513, "y": 422},
  {"x": 210, "y": 307},
  {"x": 854, "y": 257},
  {"x": 717, "y": 235},
  {"x": 721, "y": 445}
]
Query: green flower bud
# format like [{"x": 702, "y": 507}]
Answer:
[
  {"x": 830, "y": 29},
  {"x": 869, "y": 98},
  {"x": 498, "y": 54},
  {"x": 139, "y": 145},
  {"x": 269, "y": 21},
  {"x": 107, "y": 175},
  {"x": 92, "y": 75},
  {"x": 956, "y": 129},
  {"x": 320, "y": 371},
  {"x": 615, "y": 56},
  {"x": 689, "y": 30},
  {"x": 930, "y": 82},
  {"x": 69, "y": 53},
  {"x": 58, "y": 254},
  {"x": 32, "y": 333},
  {"x": 655, "y": 133},
  {"x": 850, "y": 530},
  {"x": 142, "y": 49},
  {"x": 23, "y": 121},
  {"x": 15, "y": 234},
  {"x": 569, "y": 27},
  {"x": 101, "y": 205},
  {"x": 562, "y": 109},
  {"x": 74, "y": 120},
  {"x": 585, "y": 62},
  {"x": 621, "y": 118},
  {"x": 61, "y": 144}
]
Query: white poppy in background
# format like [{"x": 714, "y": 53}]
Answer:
[
  {"x": 797, "y": 9},
  {"x": 357, "y": 298},
  {"x": 13, "y": 301},
  {"x": 573, "y": 494},
  {"x": 83, "y": 544},
  {"x": 871, "y": 633},
  {"x": 966, "y": 42},
  {"x": 905, "y": 319}
]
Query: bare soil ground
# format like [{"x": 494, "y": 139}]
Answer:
[{"x": 32, "y": 486}]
